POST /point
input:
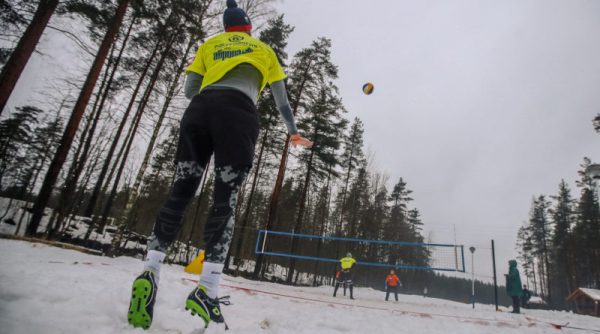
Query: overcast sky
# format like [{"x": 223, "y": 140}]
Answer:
[{"x": 478, "y": 105}]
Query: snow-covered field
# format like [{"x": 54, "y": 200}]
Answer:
[{"x": 44, "y": 289}]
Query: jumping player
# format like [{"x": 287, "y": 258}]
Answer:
[
  {"x": 345, "y": 278},
  {"x": 223, "y": 82}
]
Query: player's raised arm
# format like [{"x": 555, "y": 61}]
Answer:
[{"x": 283, "y": 105}]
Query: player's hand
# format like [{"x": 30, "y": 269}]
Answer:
[{"x": 299, "y": 140}]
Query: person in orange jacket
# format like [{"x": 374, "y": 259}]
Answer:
[{"x": 392, "y": 282}]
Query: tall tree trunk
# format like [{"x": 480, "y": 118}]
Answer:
[
  {"x": 39, "y": 164},
  {"x": 79, "y": 158},
  {"x": 338, "y": 227},
  {"x": 535, "y": 286},
  {"x": 244, "y": 223},
  {"x": 280, "y": 175},
  {"x": 546, "y": 264},
  {"x": 107, "y": 162},
  {"x": 322, "y": 229},
  {"x": 37, "y": 167},
  {"x": 301, "y": 210},
  {"x": 345, "y": 191},
  {"x": 319, "y": 246},
  {"x": 127, "y": 215},
  {"x": 20, "y": 56},
  {"x": 73, "y": 124},
  {"x": 141, "y": 108},
  {"x": 67, "y": 201}
]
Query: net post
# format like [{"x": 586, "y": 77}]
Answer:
[
  {"x": 257, "y": 242},
  {"x": 264, "y": 242},
  {"x": 456, "y": 257},
  {"x": 495, "y": 281},
  {"x": 462, "y": 252}
]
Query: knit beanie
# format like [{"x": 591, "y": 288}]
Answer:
[{"x": 235, "y": 19}]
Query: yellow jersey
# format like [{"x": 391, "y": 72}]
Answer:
[
  {"x": 347, "y": 262},
  {"x": 222, "y": 53}
]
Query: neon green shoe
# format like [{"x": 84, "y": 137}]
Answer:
[
  {"x": 198, "y": 302},
  {"x": 143, "y": 296}
]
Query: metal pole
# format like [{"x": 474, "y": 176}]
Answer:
[
  {"x": 472, "y": 249},
  {"x": 473, "y": 279},
  {"x": 495, "y": 281}
]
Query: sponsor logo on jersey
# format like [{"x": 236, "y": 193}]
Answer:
[{"x": 222, "y": 55}]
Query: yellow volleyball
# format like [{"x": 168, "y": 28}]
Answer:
[{"x": 368, "y": 88}]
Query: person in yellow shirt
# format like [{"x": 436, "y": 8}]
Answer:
[
  {"x": 345, "y": 277},
  {"x": 223, "y": 82}
]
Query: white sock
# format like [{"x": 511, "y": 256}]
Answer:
[
  {"x": 210, "y": 278},
  {"x": 153, "y": 261}
]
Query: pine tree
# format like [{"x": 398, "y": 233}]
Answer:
[
  {"x": 17, "y": 132},
  {"x": 356, "y": 205},
  {"x": 67, "y": 203},
  {"x": 324, "y": 124},
  {"x": 168, "y": 39},
  {"x": 526, "y": 258},
  {"x": 320, "y": 218},
  {"x": 371, "y": 226},
  {"x": 309, "y": 69},
  {"x": 422, "y": 255},
  {"x": 352, "y": 157},
  {"x": 275, "y": 35},
  {"x": 102, "y": 177},
  {"x": 586, "y": 232},
  {"x": 539, "y": 224},
  {"x": 157, "y": 183},
  {"x": 73, "y": 123},
  {"x": 173, "y": 84},
  {"x": 27, "y": 43},
  {"x": 562, "y": 215},
  {"x": 398, "y": 227}
]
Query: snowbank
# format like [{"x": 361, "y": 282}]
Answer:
[{"x": 50, "y": 290}]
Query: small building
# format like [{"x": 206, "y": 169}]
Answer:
[{"x": 587, "y": 301}]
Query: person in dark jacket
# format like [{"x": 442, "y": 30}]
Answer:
[
  {"x": 513, "y": 285},
  {"x": 392, "y": 282},
  {"x": 525, "y": 297}
]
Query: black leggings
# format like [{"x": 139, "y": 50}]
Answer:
[{"x": 223, "y": 122}]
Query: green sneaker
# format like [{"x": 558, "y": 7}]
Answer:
[
  {"x": 143, "y": 296},
  {"x": 198, "y": 302}
]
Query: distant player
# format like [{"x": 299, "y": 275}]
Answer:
[
  {"x": 525, "y": 297},
  {"x": 223, "y": 82},
  {"x": 345, "y": 277},
  {"x": 392, "y": 282}
]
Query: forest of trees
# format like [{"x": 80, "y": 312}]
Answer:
[
  {"x": 559, "y": 246},
  {"x": 106, "y": 150},
  {"x": 101, "y": 145}
]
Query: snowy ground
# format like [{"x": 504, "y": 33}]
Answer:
[{"x": 44, "y": 289}]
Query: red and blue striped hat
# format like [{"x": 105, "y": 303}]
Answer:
[{"x": 235, "y": 18}]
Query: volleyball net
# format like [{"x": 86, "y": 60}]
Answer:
[{"x": 376, "y": 253}]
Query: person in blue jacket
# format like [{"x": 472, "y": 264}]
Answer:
[{"x": 513, "y": 285}]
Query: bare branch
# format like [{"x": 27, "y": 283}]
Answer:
[{"x": 75, "y": 39}]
